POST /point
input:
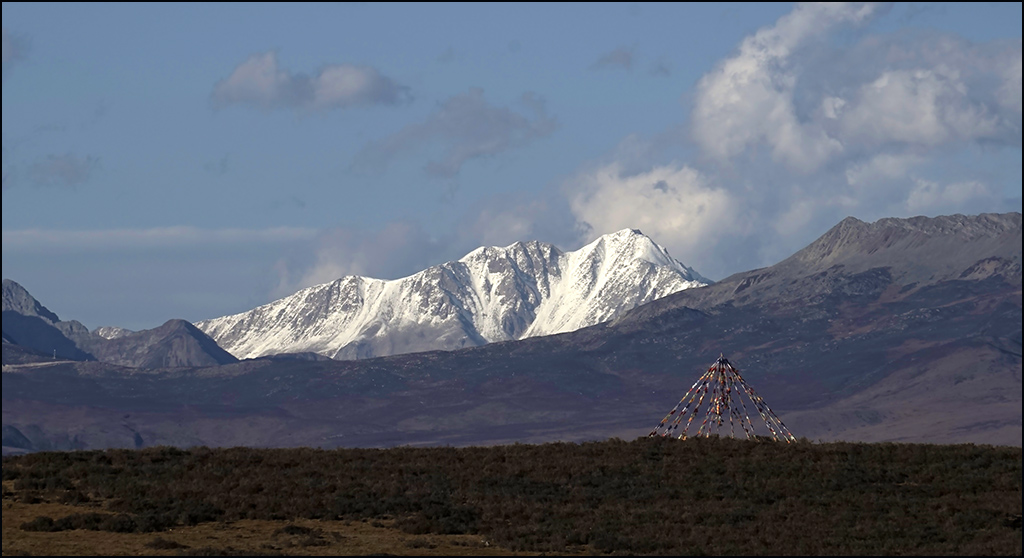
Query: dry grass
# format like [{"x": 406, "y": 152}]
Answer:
[
  {"x": 245, "y": 537},
  {"x": 649, "y": 496}
]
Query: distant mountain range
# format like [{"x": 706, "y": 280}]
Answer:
[
  {"x": 902, "y": 329},
  {"x": 38, "y": 332},
  {"x": 492, "y": 294}
]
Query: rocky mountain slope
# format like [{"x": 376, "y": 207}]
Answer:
[
  {"x": 175, "y": 343},
  {"x": 33, "y": 326},
  {"x": 914, "y": 252},
  {"x": 16, "y": 299},
  {"x": 492, "y": 294},
  {"x": 34, "y": 333}
]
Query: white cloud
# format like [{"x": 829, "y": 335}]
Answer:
[
  {"x": 748, "y": 99},
  {"x": 797, "y": 131},
  {"x": 1009, "y": 93},
  {"x": 260, "y": 82},
  {"x": 924, "y": 107},
  {"x": 790, "y": 94},
  {"x": 928, "y": 197},
  {"x": 881, "y": 168},
  {"x": 675, "y": 205}
]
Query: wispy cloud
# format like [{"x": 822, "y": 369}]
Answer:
[
  {"x": 661, "y": 67},
  {"x": 621, "y": 58},
  {"x": 15, "y": 47},
  {"x": 447, "y": 56},
  {"x": 467, "y": 127},
  {"x": 147, "y": 239},
  {"x": 398, "y": 249},
  {"x": 219, "y": 166},
  {"x": 67, "y": 170},
  {"x": 403, "y": 247},
  {"x": 262, "y": 83}
]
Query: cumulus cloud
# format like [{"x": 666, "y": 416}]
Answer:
[
  {"x": 802, "y": 128},
  {"x": 924, "y": 107},
  {"x": 792, "y": 133},
  {"x": 795, "y": 132},
  {"x": 1009, "y": 92},
  {"x": 620, "y": 58},
  {"x": 65, "y": 170},
  {"x": 14, "y": 50},
  {"x": 789, "y": 94},
  {"x": 929, "y": 197},
  {"x": 748, "y": 99},
  {"x": 674, "y": 204},
  {"x": 880, "y": 168},
  {"x": 467, "y": 127},
  {"x": 261, "y": 82}
]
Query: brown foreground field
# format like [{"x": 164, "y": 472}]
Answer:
[
  {"x": 248, "y": 537},
  {"x": 649, "y": 496}
]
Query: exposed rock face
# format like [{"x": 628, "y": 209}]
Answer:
[
  {"x": 33, "y": 326},
  {"x": 914, "y": 252},
  {"x": 177, "y": 343},
  {"x": 492, "y": 294},
  {"x": 17, "y": 299},
  {"x": 40, "y": 337}
]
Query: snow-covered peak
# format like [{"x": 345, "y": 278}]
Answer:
[
  {"x": 490, "y": 294},
  {"x": 516, "y": 250},
  {"x": 633, "y": 245},
  {"x": 112, "y": 332}
]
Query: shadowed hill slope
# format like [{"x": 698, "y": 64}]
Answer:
[
  {"x": 174, "y": 344},
  {"x": 32, "y": 330}
]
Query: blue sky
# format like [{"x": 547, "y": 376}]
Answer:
[{"x": 165, "y": 161}]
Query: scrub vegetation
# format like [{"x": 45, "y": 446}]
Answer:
[{"x": 649, "y": 496}]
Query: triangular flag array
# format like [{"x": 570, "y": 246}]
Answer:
[{"x": 723, "y": 391}]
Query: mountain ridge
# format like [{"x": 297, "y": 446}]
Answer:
[
  {"x": 38, "y": 331},
  {"x": 922, "y": 250},
  {"x": 491, "y": 294}
]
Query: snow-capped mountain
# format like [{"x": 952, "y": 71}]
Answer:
[
  {"x": 112, "y": 332},
  {"x": 491, "y": 294}
]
